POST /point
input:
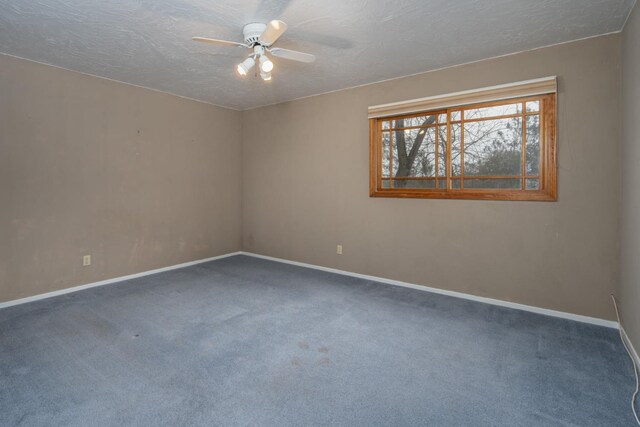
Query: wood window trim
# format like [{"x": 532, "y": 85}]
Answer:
[{"x": 547, "y": 176}]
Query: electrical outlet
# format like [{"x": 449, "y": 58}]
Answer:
[
  {"x": 86, "y": 260},
  {"x": 339, "y": 250}
]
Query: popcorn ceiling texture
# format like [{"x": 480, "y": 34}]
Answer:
[{"x": 148, "y": 42}]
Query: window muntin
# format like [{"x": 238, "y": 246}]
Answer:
[{"x": 494, "y": 150}]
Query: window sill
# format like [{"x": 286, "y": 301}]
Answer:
[{"x": 532, "y": 196}]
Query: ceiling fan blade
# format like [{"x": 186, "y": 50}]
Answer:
[
  {"x": 292, "y": 55},
  {"x": 273, "y": 32},
  {"x": 216, "y": 41}
]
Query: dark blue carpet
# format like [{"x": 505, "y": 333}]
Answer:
[{"x": 243, "y": 341}]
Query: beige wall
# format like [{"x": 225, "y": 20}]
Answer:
[
  {"x": 141, "y": 180},
  {"x": 305, "y": 189},
  {"x": 629, "y": 294},
  {"x": 136, "y": 178}
]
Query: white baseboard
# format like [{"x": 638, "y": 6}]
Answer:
[
  {"x": 538, "y": 310},
  {"x": 110, "y": 281},
  {"x": 545, "y": 311},
  {"x": 630, "y": 346}
]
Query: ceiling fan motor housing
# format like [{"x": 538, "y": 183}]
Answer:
[{"x": 252, "y": 33}]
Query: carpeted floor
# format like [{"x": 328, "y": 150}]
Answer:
[{"x": 243, "y": 341}]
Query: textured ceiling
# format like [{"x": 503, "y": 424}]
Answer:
[{"x": 147, "y": 42}]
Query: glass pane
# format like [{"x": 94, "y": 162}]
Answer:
[
  {"x": 385, "y": 124},
  {"x": 385, "y": 154},
  {"x": 455, "y": 183},
  {"x": 394, "y": 152},
  {"x": 415, "y": 121},
  {"x": 493, "y": 147},
  {"x": 385, "y": 183},
  {"x": 442, "y": 151},
  {"x": 425, "y": 159},
  {"x": 533, "y": 106},
  {"x": 455, "y": 149},
  {"x": 455, "y": 115},
  {"x": 493, "y": 111},
  {"x": 414, "y": 183},
  {"x": 532, "y": 184},
  {"x": 442, "y": 118},
  {"x": 533, "y": 145},
  {"x": 493, "y": 183},
  {"x": 413, "y": 154}
]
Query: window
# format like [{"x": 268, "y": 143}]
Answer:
[{"x": 498, "y": 150}]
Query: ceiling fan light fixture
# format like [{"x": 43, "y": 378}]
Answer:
[
  {"x": 266, "y": 66},
  {"x": 260, "y": 38},
  {"x": 246, "y": 66}
]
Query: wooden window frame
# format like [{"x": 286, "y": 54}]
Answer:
[{"x": 547, "y": 175}]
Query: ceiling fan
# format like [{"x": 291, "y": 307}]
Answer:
[{"x": 260, "y": 38}]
